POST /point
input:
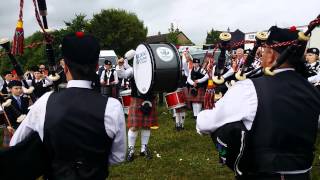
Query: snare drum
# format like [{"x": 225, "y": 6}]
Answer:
[
  {"x": 175, "y": 99},
  {"x": 156, "y": 68},
  {"x": 125, "y": 99}
]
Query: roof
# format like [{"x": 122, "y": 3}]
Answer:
[
  {"x": 162, "y": 38},
  {"x": 157, "y": 38}
]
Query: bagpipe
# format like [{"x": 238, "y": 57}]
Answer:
[
  {"x": 261, "y": 37},
  {"x": 295, "y": 47},
  {"x": 231, "y": 140},
  {"x": 29, "y": 90},
  {"x": 211, "y": 92},
  {"x": 28, "y": 157}
]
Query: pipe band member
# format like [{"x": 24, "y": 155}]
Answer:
[
  {"x": 142, "y": 115},
  {"x": 109, "y": 80},
  {"x": 312, "y": 58},
  {"x": 82, "y": 131},
  {"x": 277, "y": 115},
  {"x": 197, "y": 84}
]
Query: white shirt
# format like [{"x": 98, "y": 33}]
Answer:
[
  {"x": 203, "y": 79},
  {"x": 314, "y": 79},
  {"x": 126, "y": 71},
  {"x": 229, "y": 73},
  {"x": 113, "y": 120},
  {"x": 116, "y": 80},
  {"x": 45, "y": 82},
  {"x": 240, "y": 103}
]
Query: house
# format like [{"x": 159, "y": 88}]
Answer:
[
  {"x": 313, "y": 42},
  {"x": 162, "y": 38},
  {"x": 236, "y": 36}
]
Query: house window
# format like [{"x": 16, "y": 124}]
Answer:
[{"x": 251, "y": 36}]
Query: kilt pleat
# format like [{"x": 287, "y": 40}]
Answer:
[{"x": 136, "y": 118}]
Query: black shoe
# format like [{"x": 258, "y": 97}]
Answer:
[
  {"x": 177, "y": 127},
  {"x": 130, "y": 155},
  {"x": 146, "y": 153}
]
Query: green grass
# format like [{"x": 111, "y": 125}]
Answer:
[{"x": 184, "y": 155}]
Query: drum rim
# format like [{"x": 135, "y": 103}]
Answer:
[
  {"x": 177, "y": 90},
  {"x": 177, "y": 106},
  {"x": 127, "y": 91}
]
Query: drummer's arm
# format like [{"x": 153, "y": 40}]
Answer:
[
  {"x": 239, "y": 103},
  {"x": 34, "y": 121},
  {"x": 203, "y": 79}
]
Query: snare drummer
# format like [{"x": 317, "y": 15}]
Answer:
[
  {"x": 196, "y": 83},
  {"x": 142, "y": 115},
  {"x": 179, "y": 114},
  {"x": 109, "y": 80}
]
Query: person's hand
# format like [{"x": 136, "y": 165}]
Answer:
[
  {"x": 195, "y": 84},
  {"x": 10, "y": 129},
  {"x": 120, "y": 62}
]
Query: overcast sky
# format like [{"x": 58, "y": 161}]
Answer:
[{"x": 193, "y": 17}]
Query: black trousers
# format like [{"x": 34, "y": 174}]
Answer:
[{"x": 305, "y": 176}]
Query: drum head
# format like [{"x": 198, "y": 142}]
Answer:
[{"x": 143, "y": 68}]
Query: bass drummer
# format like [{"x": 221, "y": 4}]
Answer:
[{"x": 142, "y": 114}]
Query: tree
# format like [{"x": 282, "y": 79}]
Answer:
[
  {"x": 212, "y": 37},
  {"x": 79, "y": 23},
  {"x": 173, "y": 35},
  {"x": 118, "y": 30}
]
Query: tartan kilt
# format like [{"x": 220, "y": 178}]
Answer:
[
  {"x": 199, "y": 98},
  {"x": 136, "y": 118},
  {"x": 6, "y": 137}
]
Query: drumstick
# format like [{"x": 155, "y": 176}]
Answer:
[{"x": 6, "y": 116}]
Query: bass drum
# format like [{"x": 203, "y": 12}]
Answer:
[{"x": 156, "y": 68}]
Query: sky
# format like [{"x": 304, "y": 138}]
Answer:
[{"x": 193, "y": 17}]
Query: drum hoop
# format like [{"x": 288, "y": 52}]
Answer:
[
  {"x": 177, "y": 106},
  {"x": 125, "y": 94},
  {"x": 152, "y": 65},
  {"x": 167, "y": 94}
]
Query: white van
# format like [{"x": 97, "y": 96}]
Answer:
[{"x": 107, "y": 55}]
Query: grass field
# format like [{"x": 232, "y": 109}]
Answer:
[{"x": 184, "y": 155}]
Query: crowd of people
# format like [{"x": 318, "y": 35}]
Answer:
[{"x": 82, "y": 122}]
